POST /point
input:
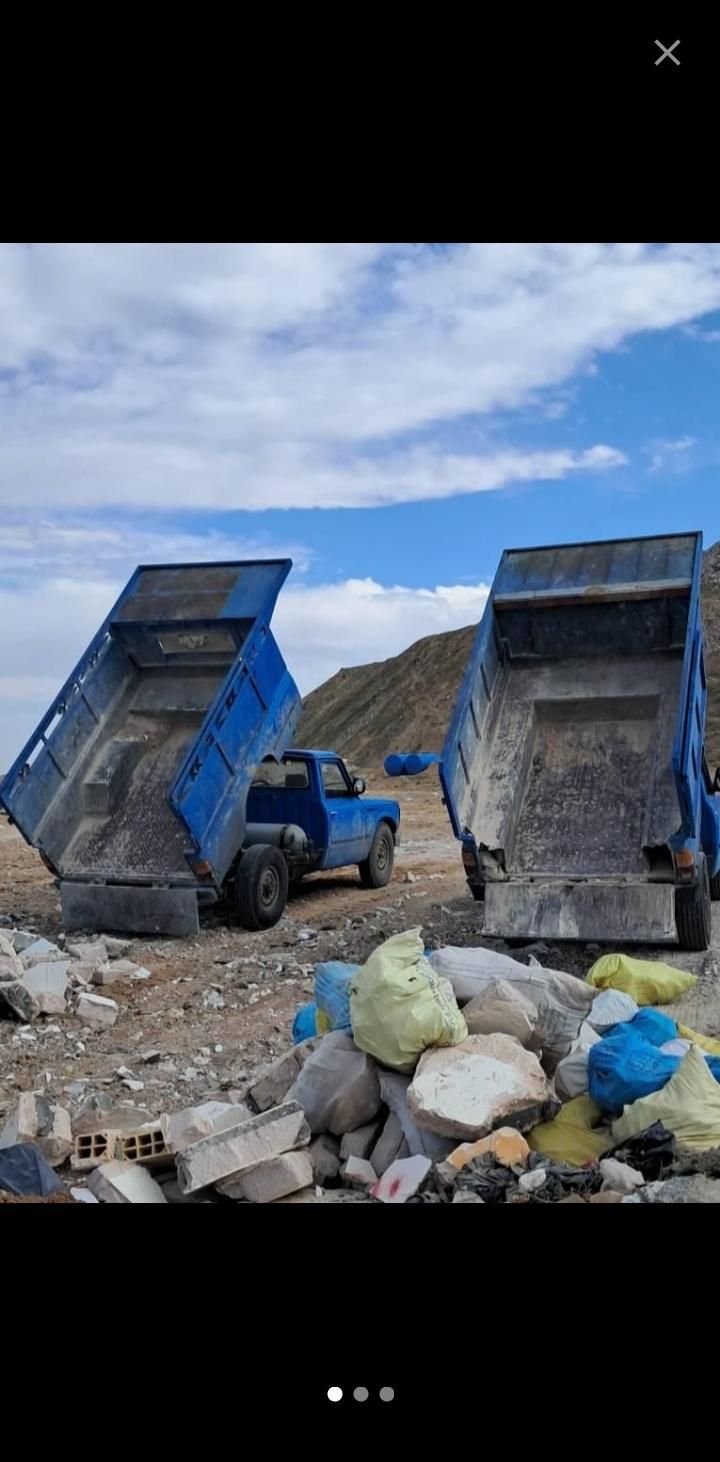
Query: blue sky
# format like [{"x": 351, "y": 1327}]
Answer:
[{"x": 390, "y": 416}]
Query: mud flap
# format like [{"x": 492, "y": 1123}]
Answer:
[
  {"x": 127, "y": 909},
  {"x": 629, "y": 913}
]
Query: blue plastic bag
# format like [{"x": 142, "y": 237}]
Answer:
[
  {"x": 626, "y": 1065},
  {"x": 305, "y": 1023},
  {"x": 652, "y": 1025},
  {"x": 332, "y": 991}
]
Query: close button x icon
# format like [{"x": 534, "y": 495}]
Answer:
[{"x": 667, "y": 51}]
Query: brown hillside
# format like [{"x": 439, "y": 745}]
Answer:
[{"x": 404, "y": 704}]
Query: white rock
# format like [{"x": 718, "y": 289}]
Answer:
[
  {"x": 47, "y": 982},
  {"x": 43, "y": 1123},
  {"x": 619, "y": 1177},
  {"x": 402, "y": 1180},
  {"x": 124, "y": 1182},
  {"x": 271, "y": 1180},
  {"x": 530, "y": 1182},
  {"x": 96, "y": 1009},
  {"x": 466, "y": 1090},
  {"x": 181, "y": 1129},
  {"x": 83, "y": 1195},
  {"x": 502, "y": 1010}
]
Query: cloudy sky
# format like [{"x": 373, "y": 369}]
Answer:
[{"x": 390, "y": 416}]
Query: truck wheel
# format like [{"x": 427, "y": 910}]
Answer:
[
  {"x": 693, "y": 912},
  {"x": 715, "y": 887},
  {"x": 261, "y": 887},
  {"x": 377, "y": 868}
]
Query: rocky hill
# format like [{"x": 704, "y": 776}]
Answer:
[{"x": 404, "y": 704}]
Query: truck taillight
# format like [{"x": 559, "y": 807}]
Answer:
[
  {"x": 202, "y": 868},
  {"x": 685, "y": 864},
  {"x": 469, "y": 859}
]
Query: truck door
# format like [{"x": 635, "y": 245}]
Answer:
[{"x": 348, "y": 820}]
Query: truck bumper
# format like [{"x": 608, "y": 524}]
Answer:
[
  {"x": 621, "y": 913},
  {"x": 129, "y": 909}
]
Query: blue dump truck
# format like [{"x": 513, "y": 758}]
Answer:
[
  {"x": 574, "y": 769},
  {"x": 159, "y": 780}
]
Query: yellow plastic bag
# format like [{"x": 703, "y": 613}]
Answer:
[
  {"x": 707, "y": 1042},
  {"x": 575, "y": 1136},
  {"x": 648, "y": 982},
  {"x": 399, "y": 1006},
  {"x": 688, "y": 1105}
]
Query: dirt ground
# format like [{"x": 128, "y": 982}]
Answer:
[{"x": 218, "y": 1006}]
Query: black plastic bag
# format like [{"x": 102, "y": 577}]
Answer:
[
  {"x": 24, "y": 1172},
  {"x": 651, "y": 1152}
]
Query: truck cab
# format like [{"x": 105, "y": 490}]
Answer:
[{"x": 315, "y": 792}]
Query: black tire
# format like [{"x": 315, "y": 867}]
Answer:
[
  {"x": 715, "y": 887},
  {"x": 478, "y": 892},
  {"x": 260, "y": 889},
  {"x": 376, "y": 870},
  {"x": 693, "y": 912}
]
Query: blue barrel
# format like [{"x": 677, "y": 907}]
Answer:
[
  {"x": 395, "y": 765},
  {"x": 419, "y": 762}
]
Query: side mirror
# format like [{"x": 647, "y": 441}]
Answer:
[
  {"x": 358, "y": 786},
  {"x": 716, "y": 780}
]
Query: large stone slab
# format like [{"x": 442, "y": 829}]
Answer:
[
  {"x": 467, "y": 1090},
  {"x": 276, "y": 1178},
  {"x": 338, "y": 1086},
  {"x": 42, "y": 1122},
  {"x": 182, "y": 1129},
  {"x": 418, "y": 1143},
  {"x": 244, "y": 1146},
  {"x": 273, "y": 1082}
]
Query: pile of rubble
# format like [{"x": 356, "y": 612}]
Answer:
[
  {"x": 38, "y": 977},
  {"x": 471, "y": 1088}
]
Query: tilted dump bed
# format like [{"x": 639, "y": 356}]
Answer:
[
  {"x": 139, "y": 772},
  {"x": 573, "y": 764}
]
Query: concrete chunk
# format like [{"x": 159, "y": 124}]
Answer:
[
  {"x": 273, "y": 1083},
  {"x": 88, "y": 951},
  {"x": 118, "y": 969},
  {"x": 403, "y": 1179},
  {"x": 96, "y": 1009},
  {"x": 325, "y": 1157},
  {"x": 338, "y": 1086},
  {"x": 276, "y": 1178},
  {"x": 15, "y": 1000},
  {"x": 468, "y": 1089},
  {"x": 42, "y": 1122},
  {"x": 394, "y": 1088},
  {"x": 358, "y": 1173},
  {"x": 388, "y": 1145},
  {"x": 182, "y": 1129},
  {"x": 122, "y": 1182},
  {"x": 39, "y": 950},
  {"x": 361, "y": 1142},
  {"x": 47, "y": 983},
  {"x": 224, "y": 1154}
]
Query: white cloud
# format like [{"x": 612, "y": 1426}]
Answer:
[
  {"x": 331, "y": 626},
  {"x": 319, "y": 629},
  {"x": 670, "y": 455},
  {"x": 239, "y": 376}
]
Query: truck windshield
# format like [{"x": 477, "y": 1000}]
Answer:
[
  {"x": 282, "y": 776},
  {"x": 335, "y": 781}
]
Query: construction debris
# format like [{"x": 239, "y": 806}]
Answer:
[
  {"x": 468, "y": 1089},
  {"x": 482, "y": 1121},
  {"x": 43, "y": 1123}
]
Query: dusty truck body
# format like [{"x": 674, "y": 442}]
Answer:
[
  {"x": 574, "y": 769},
  {"x": 134, "y": 785},
  {"x": 159, "y": 779}
]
